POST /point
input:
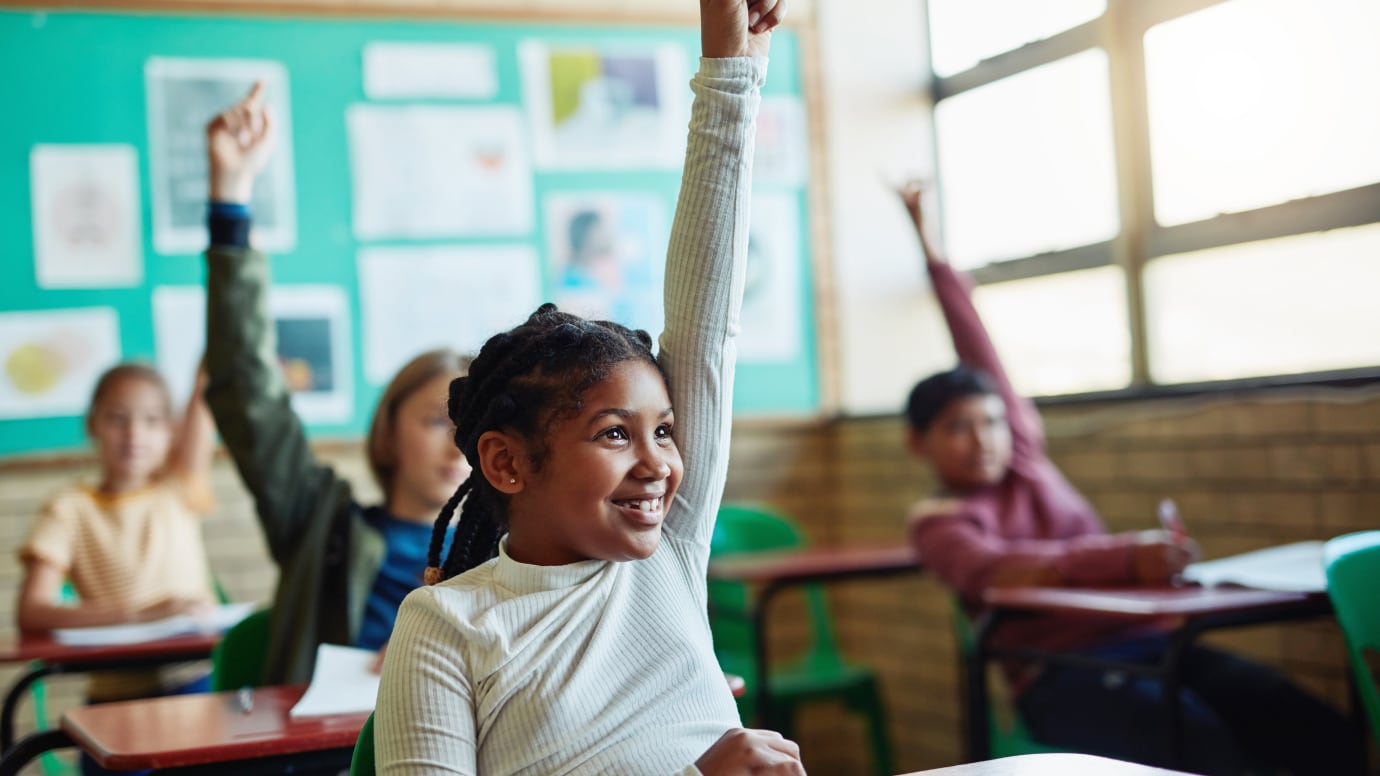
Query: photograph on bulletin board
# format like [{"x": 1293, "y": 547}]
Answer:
[
  {"x": 605, "y": 107},
  {"x": 607, "y": 254},
  {"x": 183, "y": 95}
]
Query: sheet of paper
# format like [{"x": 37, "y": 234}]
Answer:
[
  {"x": 430, "y": 171},
  {"x": 86, "y": 216},
  {"x": 50, "y": 359},
  {"x": 771, "y": 328},
  {"x": 218, "y": 620},
  {"x": 1291, "y": 567},
  {"x": 312, "y": 325},
  {"x": 394, "y": 70},
  {"x": 183, "y": 95},
  {"x": 414, "y": 299},
  {"x": 341, "y": 683},
  {"x": 612, "y": 107},
  {"x": 606, "y": 255}
]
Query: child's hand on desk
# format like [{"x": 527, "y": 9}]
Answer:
[
  {"x": 742, "y": 751},
  {"x": 1160, "y": 558},
  {"x": 238, "y": 143},
  {"x": 172, "y": 607}
]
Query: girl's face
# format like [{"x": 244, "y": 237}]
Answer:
[
  {"x": 429, "y": 467},
  {"x": 969, "y": 442},
  {"x": 133, "y": 433},
  {"x": 607, "y": 477}
]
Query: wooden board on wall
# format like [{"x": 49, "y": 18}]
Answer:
[{"x": 79, "y": 78}]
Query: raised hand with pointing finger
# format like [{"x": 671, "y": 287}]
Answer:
[{"x": 238, "y": 143}]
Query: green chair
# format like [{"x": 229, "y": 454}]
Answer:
[
  {"x": 1353, "y": 582},
  {"x": 1006, "y": 733},
  {"x": 820, "y": 672},
  {"x": 238, "y": 660},
  {"x": 362, "y": 761}
]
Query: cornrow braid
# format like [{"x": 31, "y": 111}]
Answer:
[{"x": 521, "y": 381}]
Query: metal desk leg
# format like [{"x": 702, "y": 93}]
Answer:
[
  {"x": 975, "y": 688},
  {"x": 30, "y": 747},
  {"x": 1171, "y": 682},
  {"x": 765, "y": 715},
  {"x": 11, "y": 706}
]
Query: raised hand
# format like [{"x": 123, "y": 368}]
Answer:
[
  {"x": 912, "y": 193},
  {"x": 238, "y": 142},
  {"x": 740, "y": 752},
  {"x": 739, "y": 28}
]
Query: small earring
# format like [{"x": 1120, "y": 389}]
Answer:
[{"x": 512, "y": 480}]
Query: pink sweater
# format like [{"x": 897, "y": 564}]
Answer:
[{"x": 1032, "y": 520}]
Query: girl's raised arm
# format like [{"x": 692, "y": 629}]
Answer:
[
  {"x": 708, "y": 252},
  {"x": 194, "y": 447}
]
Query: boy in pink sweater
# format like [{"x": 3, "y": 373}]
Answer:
[{"x": 1005, "y": 516}]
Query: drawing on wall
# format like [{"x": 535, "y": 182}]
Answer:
[
  {"x": 312, "y": 326},
  {"x": 782, "y": 152},
  {"x": 606, "y": 255},
  {"x": 772, "y": 324},
  {"x": 419, "y": 298},
  {"x": 50, "y": 360},
  {"x": 413, "y": 70},
  {"x": 86, "y": 216},
  {"x": 428, "y": 171},
  {"x": 183, "y": 95},
  {"x": 595, "y": 107}
]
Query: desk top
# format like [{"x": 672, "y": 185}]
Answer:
[
  {"x": 1145, "y": 602},
  {"x": 813, "y": 563},
  {"x": 42, "y": 646},
  {"x": 198, "y": 729},
  {"x": 1059, "y": 764}
]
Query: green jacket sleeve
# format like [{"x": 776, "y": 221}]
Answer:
[{"x": 251, "y": 405}]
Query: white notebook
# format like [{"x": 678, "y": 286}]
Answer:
[
  {"x": 1290, "y": 567},
  {"x": 341, "y": 683},
  {"x": 219, "y": 620}
]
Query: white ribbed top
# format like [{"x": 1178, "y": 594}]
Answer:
[{"x": 603, "y": 667}]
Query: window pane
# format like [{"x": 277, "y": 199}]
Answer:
[
  {"x": 1064, "y": 333},
  {"x": 1255, "y": 102},
  {"x": 1027, "y": 164},
  {"x": 1296, "y": 304},
  {"x": 963, "y": 32}
]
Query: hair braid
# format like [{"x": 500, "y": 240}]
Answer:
[{"x": 433, "y": 573}]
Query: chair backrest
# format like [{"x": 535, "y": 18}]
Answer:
[
  {"x": 238, "y": 660},
  {"x": 362, "y": 761},
  {"x": 743, "y": 528},
  {"x": 1353, "y": 583}
]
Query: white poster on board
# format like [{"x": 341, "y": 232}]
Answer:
[
  {"x": 312, "y": 326},
  {"x": 605, "y": 106},
  {"x": 420, "y": 298},
  {"x": 86, "y": 216},
  {"x": 782, "y": 151},
  {"x": 430, "y": 171},
  {"x": 50, "y": 360},
  {"x": 415, "y": 70},
  {"x": 772, "y": 324},
  {"x": 183, "y": 96}
]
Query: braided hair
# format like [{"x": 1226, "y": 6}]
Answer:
[{"x": 521, "y": 381}]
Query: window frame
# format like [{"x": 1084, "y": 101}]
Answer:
[{"x": 1120, "y": 33}]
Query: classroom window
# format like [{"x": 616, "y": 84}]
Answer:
[
  {"x": 1163, "y": 193},
  {"x": 1256, "y": 102},
  {"x": 965, "y": 32},
  {"x": 1304, "y": 303},
  {"x": 1032, "y": 153},
  {"x": 1063, "y": 333}
]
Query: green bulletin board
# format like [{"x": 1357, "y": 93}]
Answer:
[{"x": 79, "y": 80}]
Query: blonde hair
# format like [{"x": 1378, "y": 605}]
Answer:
[
  {"x": 380, "y": 444},
  {"x": 114, "y": 375}
]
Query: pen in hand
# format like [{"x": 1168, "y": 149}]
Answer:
[
  {"x": 246, "y": 699},
  {"x": 1170, "y": 521}
]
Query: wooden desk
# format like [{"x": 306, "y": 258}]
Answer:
[
  {"x": 50, "y": 657},
  {"x": 778, "y": 570},
  {"x": 1202, "y": 609},
  {"x": 1050, "y": 765},
  {"x": 204, "y": 734}
]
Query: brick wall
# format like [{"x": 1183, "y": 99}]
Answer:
[{"x": 1247, "y": 473}]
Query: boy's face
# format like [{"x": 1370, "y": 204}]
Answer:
[{"x": 968, "y": 444}]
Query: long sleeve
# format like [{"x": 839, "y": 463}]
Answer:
[
  {"x": 975, "y": 349},
  {"x": 705, "y": 269},
  {"x": 251, "y": 405}
]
